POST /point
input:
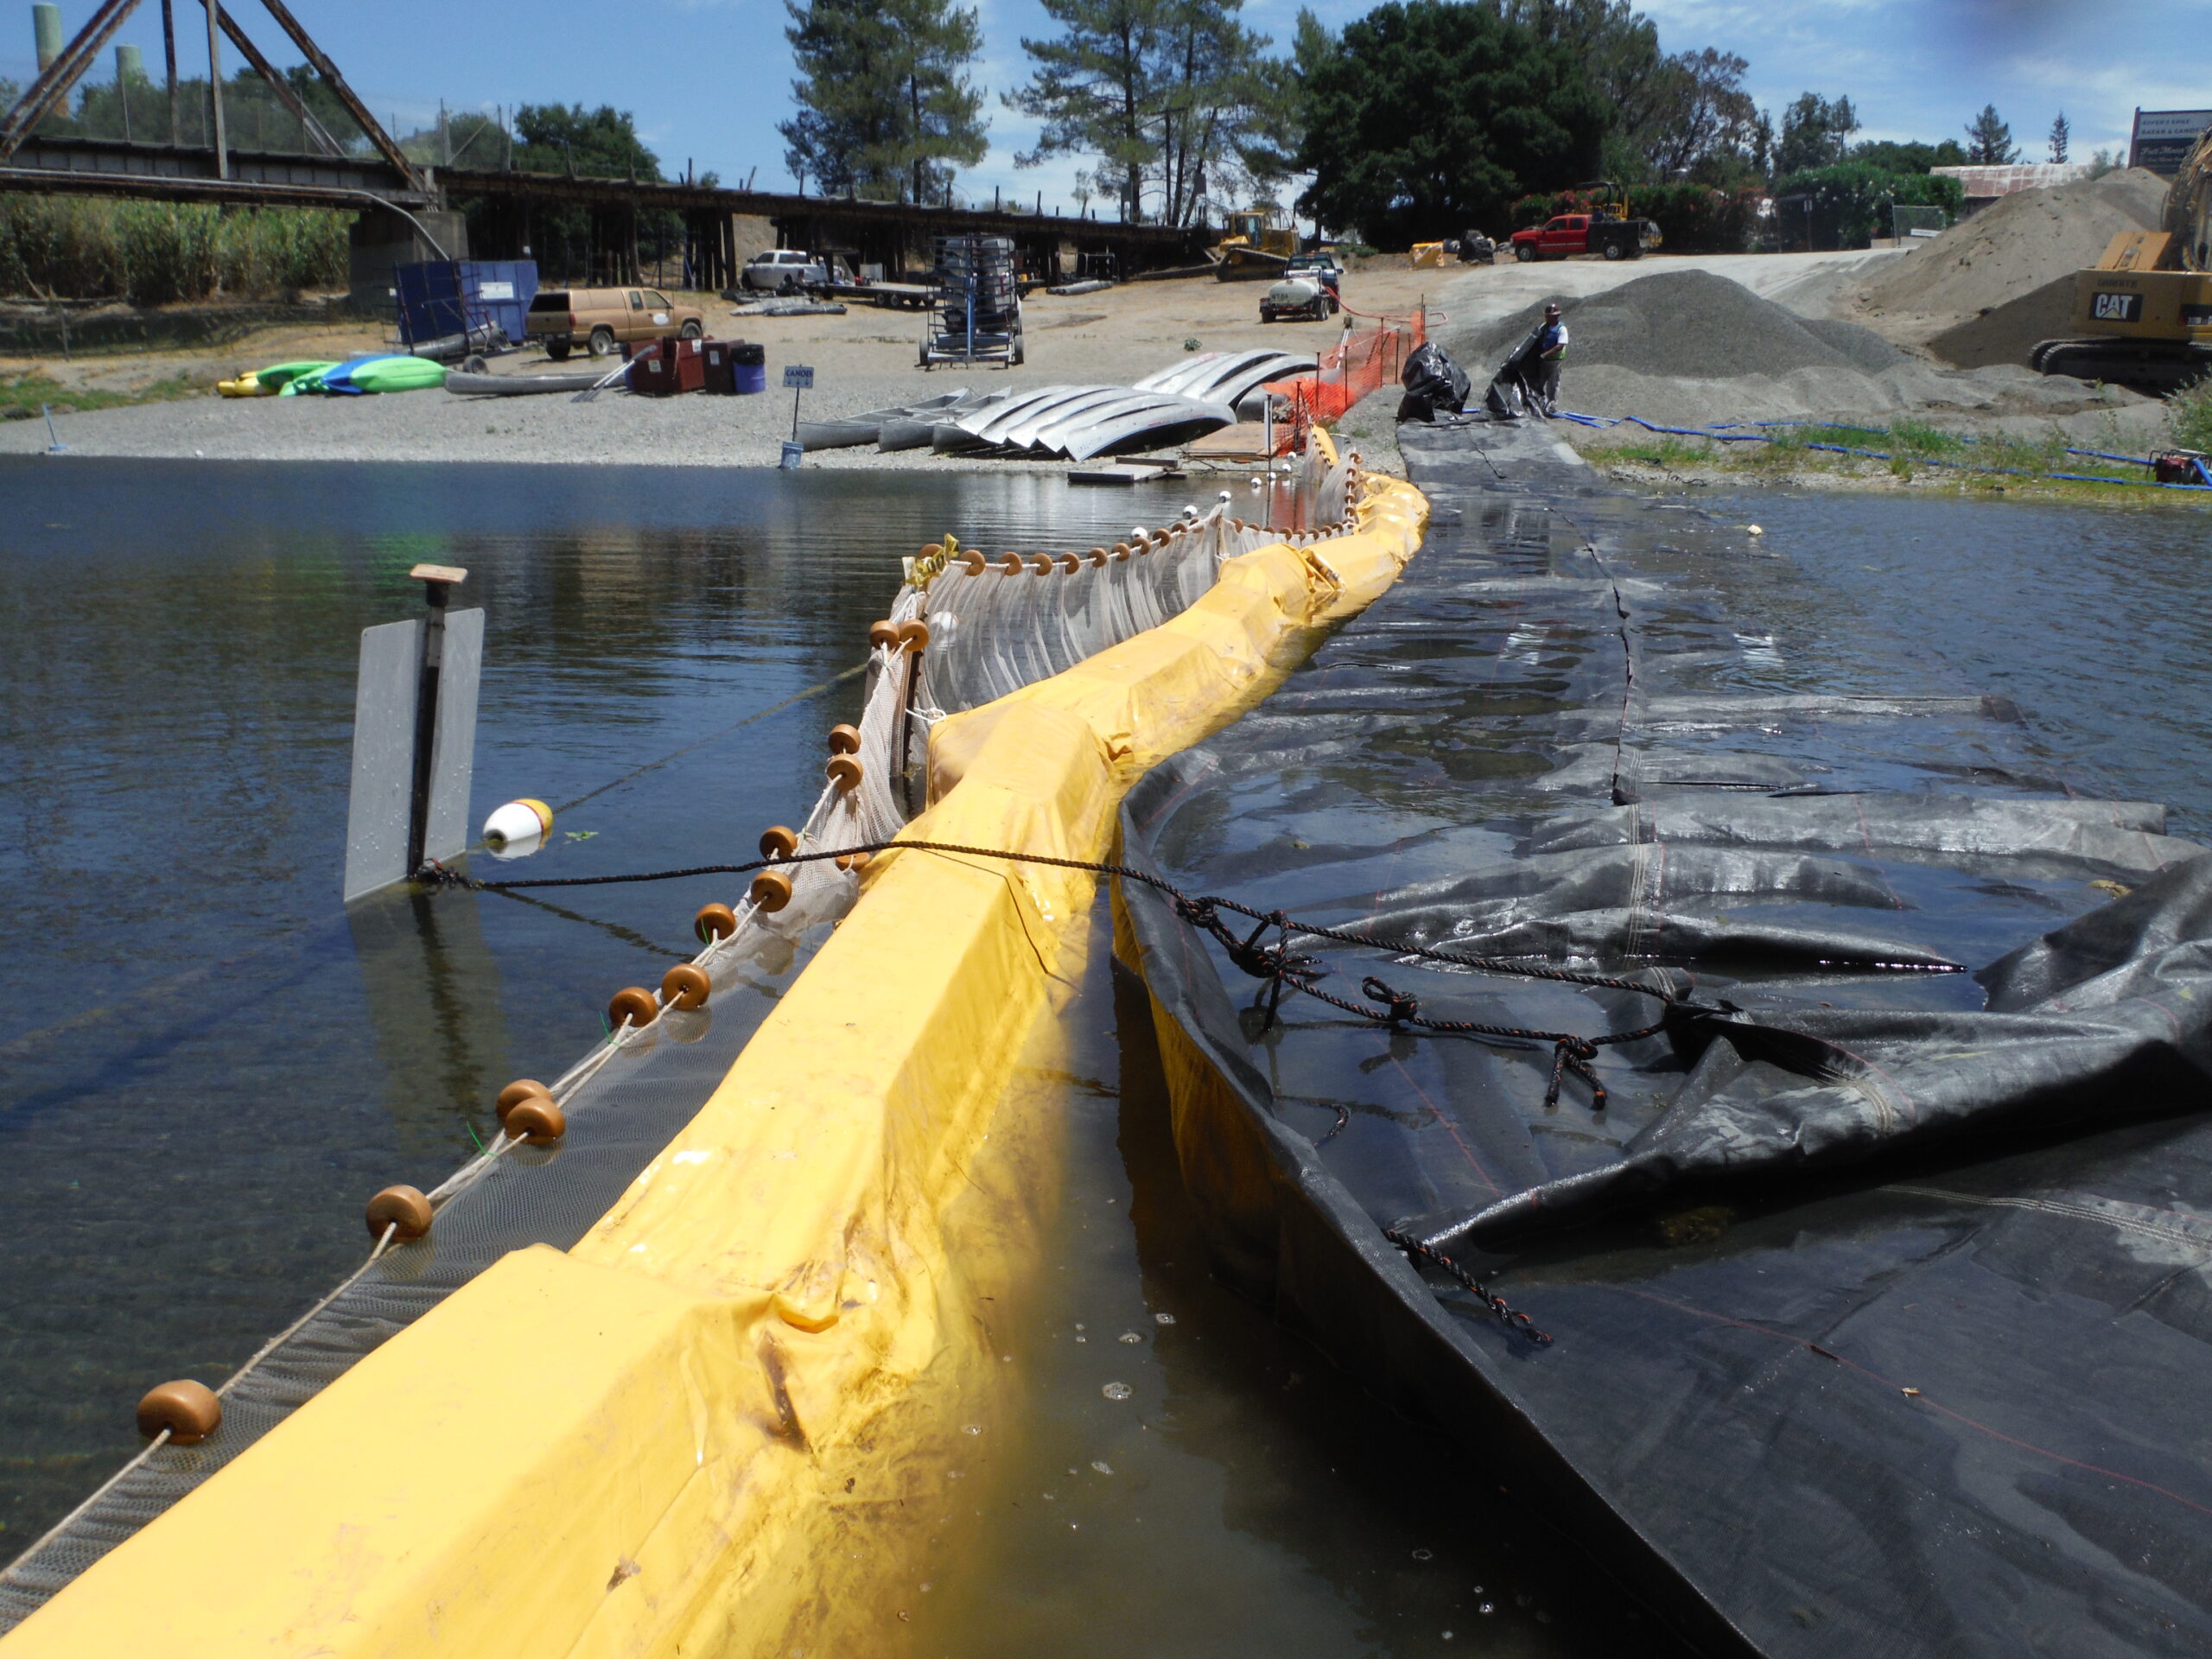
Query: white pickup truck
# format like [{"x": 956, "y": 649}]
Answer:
[{"x": 782, "y": 270}]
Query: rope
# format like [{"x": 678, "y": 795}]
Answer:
[{"x": 1282, "y": 968}]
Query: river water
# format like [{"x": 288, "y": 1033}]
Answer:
[{"x": 208, "y": 1069}]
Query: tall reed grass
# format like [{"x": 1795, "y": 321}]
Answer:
[{"x": 154, "y": 252}]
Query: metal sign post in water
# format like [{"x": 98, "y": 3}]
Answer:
[
  {"x": 799, "y": 377},
  {"x": 414, "y": 738}
]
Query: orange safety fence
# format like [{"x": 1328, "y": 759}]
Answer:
[{"x": 1362, "y": 362}]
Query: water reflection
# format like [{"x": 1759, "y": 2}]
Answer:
[
  {"x": 432, "y": 989},
  {"x": 210, "y": 1066},
  {"x": 1180, "y": 1475}
]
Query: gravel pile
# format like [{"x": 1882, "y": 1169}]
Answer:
[
  {"x": 1688, "y": 324},
  {"x": 1693, "y": 348}
]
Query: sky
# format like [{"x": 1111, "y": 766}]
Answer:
[{"x": 709, "y": 79}]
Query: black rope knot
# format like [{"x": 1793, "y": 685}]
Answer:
[
  {"x": 1400, "y": 1007},
  {"x": 1202, "y": 914},
  {"x": 1504, "y": 1312},
  {"x": 1574, "y": 1053}
]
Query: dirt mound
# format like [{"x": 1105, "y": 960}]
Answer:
[
  {"x": 2008, "y": 333},
  {"x": 2011, "y": 249}
]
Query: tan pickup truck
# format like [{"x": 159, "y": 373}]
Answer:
[{"x": 597, "y": 318}]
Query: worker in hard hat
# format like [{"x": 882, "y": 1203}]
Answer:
[{"x": 1551, "y": 356}]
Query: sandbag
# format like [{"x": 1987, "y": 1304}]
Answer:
[
  {"x": 1513, "y": 389},
  {"x": 1435, "y": 385}
]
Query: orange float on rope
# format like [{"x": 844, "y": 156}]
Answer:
[
  {"x": 844, "y": 739},
  {"x": 915, "y": 636},
  {"x": 686, "y": 986},
  {"x": 883, "y": 636},
  {"x": 634, "y": 1003},
  {"x": 845, "y": 772},
  {"x": 852, "y": 861},
  {"x": 521, "y": 1090},
  {"x": 404, "y": 1209},
  {"x": 974, "y": 562},
  {"x": 714, "y": 922},
  {"x": 771, "y": 891},
  {"x": 190, "y": 1411},
  {"x": 539, "y": 1121},
  {"x": 1011, "y": 563},
  {"x": 776, "y": 842}
]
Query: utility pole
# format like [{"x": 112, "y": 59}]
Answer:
[
  {"x": 215, "y": 85},
  {"x": 168, "y": 52}
]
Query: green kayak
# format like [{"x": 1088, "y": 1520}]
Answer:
[
  {"x": 388, "y": 374},
  {"x": 279, "y": 377}
]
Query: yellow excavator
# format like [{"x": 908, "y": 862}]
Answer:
[
  {"x": 1258, "y": 244},
  {"x": 2143, "y": 313}
]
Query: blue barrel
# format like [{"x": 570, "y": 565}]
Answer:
[{"x": 749, "y": 364}]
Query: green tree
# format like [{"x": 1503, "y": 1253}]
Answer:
[
  {"x": 1095, "y": 88},
  {"x": 1910, "y": 157},
  {"x": 1989, "y": 140},
  {"x": 885, "y": 107},
  {"x": 1426, "y": 117},
  {"x": 1222, "y": 105},
  {"x": 600, "y": 144},
  {"x": 2061, "y": 133},
  {"x": 1701, "y": 122},
  {"x": 1816, "y": 132},
  {"x": 1845, "y": 206}
]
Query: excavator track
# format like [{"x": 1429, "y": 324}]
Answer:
[{"x": 2151, "y": 365}]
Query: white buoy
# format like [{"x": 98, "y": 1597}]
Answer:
[{"x": 516, "y": 829}]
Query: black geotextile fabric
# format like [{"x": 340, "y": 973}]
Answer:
[{"x": 1879, "y": 1293}]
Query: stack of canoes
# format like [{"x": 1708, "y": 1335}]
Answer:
[
  {"x": 355, "y": 377},
  {"x": 1186, "y": 400},
  {"x": 1230, "y": 377}
]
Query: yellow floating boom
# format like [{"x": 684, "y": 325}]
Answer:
[{"x": 643, "y": 1446}]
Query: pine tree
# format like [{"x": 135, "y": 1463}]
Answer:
[
  {"x": 1176, "y": 98},
  {"x": 885, "y": 105},
  {"x": 1816, "y": 132},
  {"x": 1094, "y": 89},
  {"x": 1989, "y": 140},
  {"x": 2060, "y": 132}
]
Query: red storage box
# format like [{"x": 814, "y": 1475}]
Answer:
[
  {"x": 661, "y": 368},
  {"x": 722, "y": 365}
]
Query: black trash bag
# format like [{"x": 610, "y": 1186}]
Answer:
[
  {"x": 1435, "y": 385},
  {"x": 1515, "y": 390}
]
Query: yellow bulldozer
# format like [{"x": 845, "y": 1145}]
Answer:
[
  {"x": 2143, "y": 313},
  {"x": 1258, "y": 244}
]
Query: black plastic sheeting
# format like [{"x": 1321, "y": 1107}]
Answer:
[{"x": 1880, "y": 1292}]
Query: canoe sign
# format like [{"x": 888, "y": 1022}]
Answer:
[{"x": 798, "y": 377}]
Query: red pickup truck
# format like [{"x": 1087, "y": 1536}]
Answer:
[{"x": 1573, "y": 233}]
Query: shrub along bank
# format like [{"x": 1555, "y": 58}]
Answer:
[
  {"x": 1849, "y": 204},
  {"x": 1693, "y": 217},
  {"x": 155, "y": 253},
  {"x": 1849, "y": 207}
]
